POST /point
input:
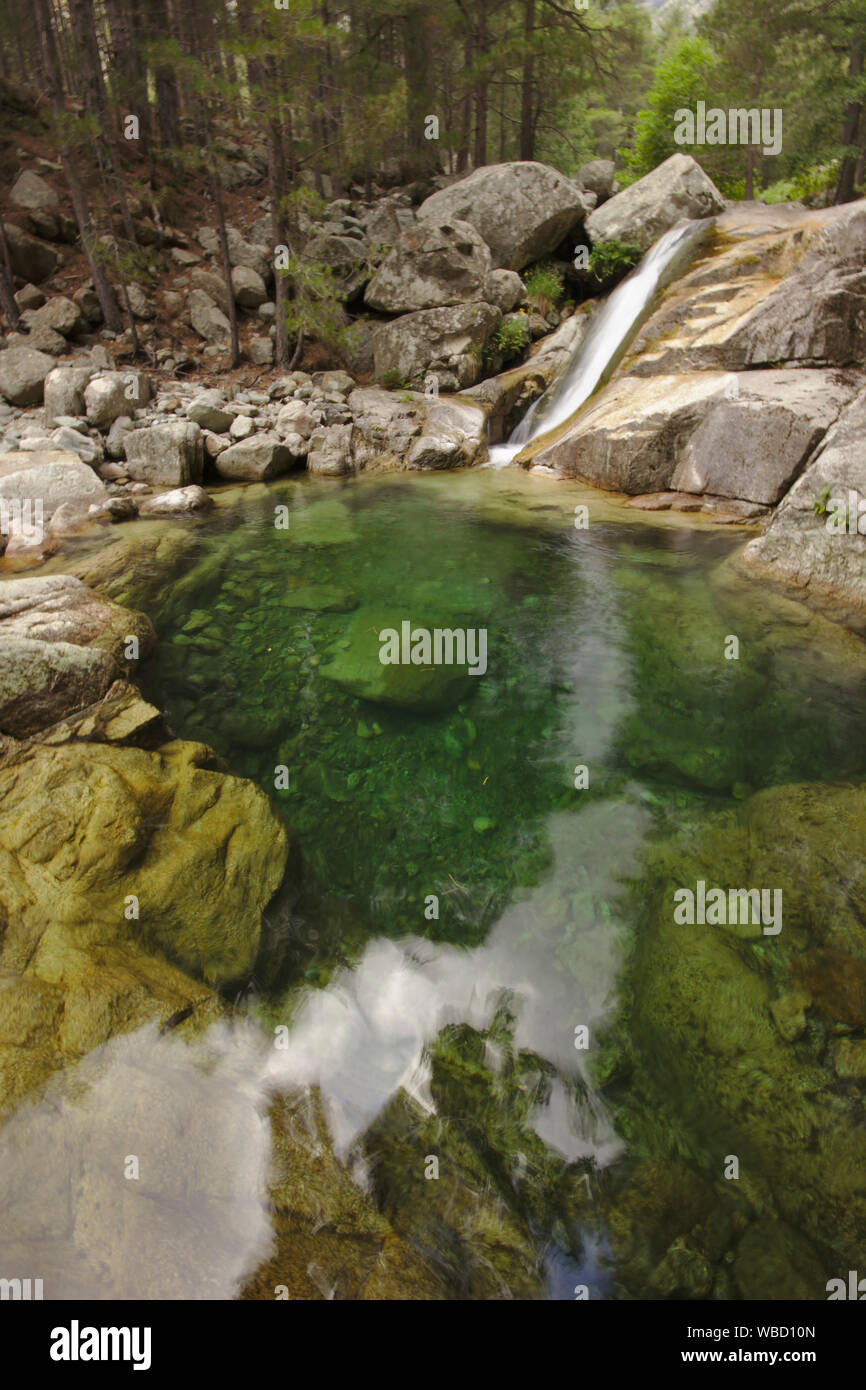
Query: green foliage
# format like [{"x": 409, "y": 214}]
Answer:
[
  {"x": 812, "y": 186},
  {"x": 819, "y": 503},
  {"x": 510, "y": 337},
  {"x": 393, "y": 380},
  {"x": 681, "y": 80},
  {"x": 544, "y": 286},
  {"x": 610, "y": 261},
  {"x": 313, "y": 306}
]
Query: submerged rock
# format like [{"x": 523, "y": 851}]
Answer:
[
  {"x": 358, "y": 670},
  {"x": 706, "y": 1019}
]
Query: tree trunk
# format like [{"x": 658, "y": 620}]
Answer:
[
  {"x": 527, "y": 86},
  {"x": 465, "y": 115},
  {"x": 422, "y": 153},
  {"x": 847, "y": 169},
  {"x": 481, "y": 87},
  {"x": 750, "y": 172},
  {"x": 7, "y": 283},
  {"x": 101, "y": 285}
]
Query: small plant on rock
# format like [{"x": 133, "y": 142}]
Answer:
[{"x": 544, "y": 286}]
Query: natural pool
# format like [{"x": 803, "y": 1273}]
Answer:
[{"x": 528, "y": 1078}]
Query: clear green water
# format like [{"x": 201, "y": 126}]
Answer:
[{"x": 605, "y": 648}]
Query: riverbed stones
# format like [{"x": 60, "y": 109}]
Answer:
[
  {"x": 256, "y": 460},
  {"x": 639, "y": 215},
  {"x": 330, "y": 451},
  {"x": 522, "y": 209},
  {"x": 180, "y": 501},
  {"x": 22, "y": 374},
  {"x": 432, "y": 265},
  {"x": 64, "y": 391},
  {"x": 169, "y": 454},
  {"x": 112, "y": 394},
  {"x": 208, "y": 409},
  {"x": 704, "y": 1025}
]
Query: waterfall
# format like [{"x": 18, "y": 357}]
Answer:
[{"x": 610, "y": 332}]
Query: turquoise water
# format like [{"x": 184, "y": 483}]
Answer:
[{"x": 459, "y": 909}]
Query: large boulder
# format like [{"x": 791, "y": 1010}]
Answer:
[
  {"x": 639, "y": 215},
  {"x": 43, "y": 682},
  {"x": 744, "y": 435},
  {"x": 84, "y": 826},
  {"x": 786, "y": 285},
  {"x": 22, "y": 374},
  {"x": 170, "y": 454},
  {"x": 31, "y": 259},
  {"x": 431, "y": 266},
  {"x": 61, "y": 648},
  {"x": 522, "y": 209},
  {"x": 454, "y": 337},
  {"x": 754, "y": 446},
  {"x": 112, "y": 394},
  {"x": 50, "y": 478},
  {"x": 816, "y": 541},
  {"x": 454, "y": 435},
  {"x": 256, "y": 460}
]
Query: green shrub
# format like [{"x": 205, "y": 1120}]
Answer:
[
  {"x": 394, "y": 380},
  {"x": 611, "y": 260},
  {"x": 510, "y": 337},
  {"x": 543, "y": 286}
]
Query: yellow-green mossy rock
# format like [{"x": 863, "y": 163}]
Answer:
[{"x": 92, "y": 834}]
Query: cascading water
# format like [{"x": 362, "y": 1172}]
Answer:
[{"x": 610, "y": 332}]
